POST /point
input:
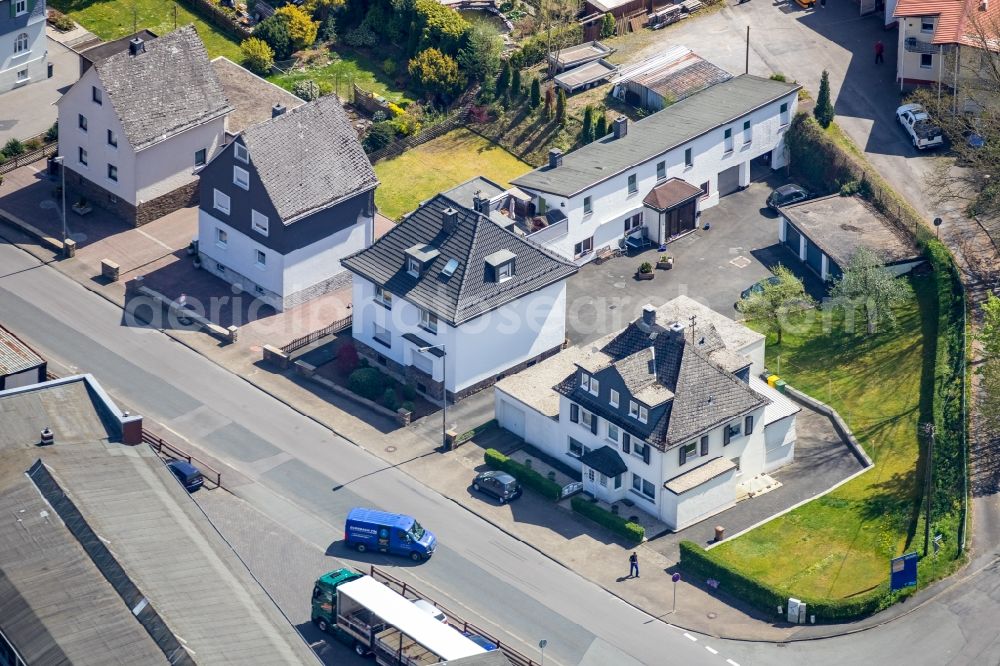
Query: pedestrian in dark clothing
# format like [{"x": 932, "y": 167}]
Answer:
[
  {"x": 879, "y": 50},
  {"x": 633, "y": 565}
]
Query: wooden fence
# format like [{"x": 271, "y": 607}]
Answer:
[
  {"x": 368, "y": 101},
  {"x": 28, "y": 158},
  {"x": 335, "y": 327}
]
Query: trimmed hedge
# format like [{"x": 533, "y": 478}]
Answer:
[
  {"x": 632, "y": 531},
  {"x": 704, "y": 564},
  {"x": 527, "y": 476}
]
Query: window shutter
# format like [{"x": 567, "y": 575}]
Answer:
[
  {"x": 748, "y": 425},
  {"x": 593, "y": 423},
  {"x": 645, "y": 453},
  {"x": 683, "y": 456},
  {"x": 725, "y": 435},
  {"x": 626, "y": 442},
  {"x": 704, "y": 445},
  {"x": 574, "y": 413}
]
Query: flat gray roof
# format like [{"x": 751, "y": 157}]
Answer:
[
  {"x": 579, "y": 54},
  {"x": 657, "y": 134},
  {"x": 840, "y": 225},
  {"x": 589, "y": 73},
  {"x": 252, "y": 97}
]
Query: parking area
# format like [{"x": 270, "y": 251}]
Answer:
[{"x": 712, "y": 266}]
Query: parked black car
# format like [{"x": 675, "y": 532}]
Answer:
[
  {"x": 189, "y": 475},
  {"x": 499, "y": 484},
  {"x": 786, "y": 195}
]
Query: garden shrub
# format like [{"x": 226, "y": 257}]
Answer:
[
  {"x": 407, "y": 406},
  {"x": 258, "y": 57},
  {"x": 634, "y": 532},
  {"x": 302, "y": 30},
  {"x": 347, "y": 358},
  {"x": 379, "y": 136},
  {"x": 362, "y": 37},
  {"x": 32, "y": 144},
  {"x": 60, "y": 21},
  {"x": 367, "y": 382},
  {"x": 13, "y": 148},
  {"x": 274, "y": 31},
  {"x": 52, "y": 133},
  {"x": 528, "y": 477},
  {"x": 306, "y": 89},
  {"x": 435, "y": 71},
  {"x": 389, "y": 399},
  {"x": 409, "y": 392}
]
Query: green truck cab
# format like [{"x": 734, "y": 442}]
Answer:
[{"x": 324, "y": 597}]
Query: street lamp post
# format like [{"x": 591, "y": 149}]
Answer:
[
  {"x": 444, "y": 390},
  {"x": 60, "y": 160}
]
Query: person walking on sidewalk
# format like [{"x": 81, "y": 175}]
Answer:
[
  {"x": 633, "y": 565},
  {"x": 879, "y": 51}
]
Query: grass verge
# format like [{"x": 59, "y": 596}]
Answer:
[
  {"x": 421, "y": 172},
  {"x": 343, "y": 69}
]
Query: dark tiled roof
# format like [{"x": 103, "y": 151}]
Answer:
[
  {"x": 469, "y": 292},
  {"x": 103, "y": 50},
  {"x": 309, "y": 158},
  {"x": 166, "y": 89},
  {"x": 704, "y": 395},
  {"x": 670, "y": 193},
  {"x": 605, "y": 460}
]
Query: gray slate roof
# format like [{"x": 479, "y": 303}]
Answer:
[
  {"x": 657, "y": 134},
  {"x": 703, "y": 394},
  {"x": 309, "y": 158},
  {"x": 15, "y": 356},
  {"x": 468, "y": 293},
  {"x": 169, "y": 88}
]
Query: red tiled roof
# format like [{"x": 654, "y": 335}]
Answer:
[{"x": 957, "y": 20}]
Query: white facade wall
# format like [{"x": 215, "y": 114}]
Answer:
[
  {"x": 321, "y": 260},
  {"x": 143, "y": 176},
  {"x": 522, "y": 420},
  {"x": 908, "y": 64},
  {"x": 612, "y": 203},
  {"x": 475, "y": 350},
  {"x": 35, "y": 59},
  {"x": 702, "y": 502},
  {"x": 779, "y": 443}
]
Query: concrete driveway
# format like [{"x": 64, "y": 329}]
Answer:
[{"x": 711, "y": 266}]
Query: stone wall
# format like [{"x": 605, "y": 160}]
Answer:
[
  {"x": 338, "y": 281},
  {"x": 77, "y": 186},
  {"x": 182, "y": 197}
]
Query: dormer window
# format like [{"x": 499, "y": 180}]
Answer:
[
  {"x": 419, "y": 258},
  {"x": 500, "y": 266},
  {"x": 413, "y": 267},
  {"x": 637, "y": 411},
  {"x": 241, "y": 153},
  {"x": 590, "y": 384}
]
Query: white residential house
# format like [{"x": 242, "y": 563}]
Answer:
[
  {"x": 285, "y": 202},
  {"x": 698, "y": 149},
  {"x": 664, "y": 413},
  {"x": 450, "y": 300},
  {"x": 23, "y": 50},
  {"x": 138, "y": 125}
]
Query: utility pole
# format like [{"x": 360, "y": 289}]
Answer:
[{"x": 929, "y": 431}]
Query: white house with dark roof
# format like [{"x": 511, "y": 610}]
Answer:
[
  {"x": 23, "y": 49},
  {"x": 137, "y": 126},
  {"x": 449, "y": 299},
  {"x": 707, "y": 140},
  {"x": 667, "y": 413},
  {"x": 285, "y": 202}
]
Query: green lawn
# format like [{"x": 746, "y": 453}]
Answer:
[
  {"x": 112, "y": 19},
  {"x": 347, "y": 67},
  {"x": 840, "y": 544},
  {"x": 422, "y": 172}
]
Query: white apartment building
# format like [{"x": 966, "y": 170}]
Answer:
[{"x": 23, "y": 49}]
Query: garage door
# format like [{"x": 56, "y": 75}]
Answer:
[
  {"x": 513, "y": 419},
  {"x": 792, "y": 238},
  {"x": 729, "y": 181},
  {"x": 814, "y": 257}
]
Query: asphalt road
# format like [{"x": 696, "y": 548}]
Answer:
[{"x": 478, "y": 570}]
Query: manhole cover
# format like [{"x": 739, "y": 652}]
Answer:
[
  {"x": 713, "y": 615},
  {"x": 390, "y": 449},
  {"x": 740, "y": 262}
]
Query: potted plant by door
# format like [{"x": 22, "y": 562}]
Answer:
[
  {"x": 665, "y": 262},
  {"x": 82, "y": 206},
  {"x": 645, "y": 271}
]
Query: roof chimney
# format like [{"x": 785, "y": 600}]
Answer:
[
  {"x": 648, "y": 315},
  {"x": 136, "y": 46},
  {"x": 555, "y": 158},
  {"x": 984, "y": 5},
  {"x": 449, "y": 219},
  {"x": 47, "y": 438},
  {"x": 278, "y": 110},
  {"x": 480, "y": 204},
  {"x": 677, "y": 331},
  {"x": 620, "y": 126}
]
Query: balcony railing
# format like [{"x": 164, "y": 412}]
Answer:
[
  {"x": 914, "y": 45},
  {"x": 550, "y": 233}
]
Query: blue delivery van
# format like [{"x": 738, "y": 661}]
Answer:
[{"x": 396, "y": 533}]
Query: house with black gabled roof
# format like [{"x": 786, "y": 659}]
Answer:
[
  {"x": 449, "y": 300},
  {"x": 665, "y": 413},
  {"x": 285, "y": 202}
]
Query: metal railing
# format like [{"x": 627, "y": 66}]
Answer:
[
  {"x": 516, "y": 658},
  {"x": 335, "y": 327}
]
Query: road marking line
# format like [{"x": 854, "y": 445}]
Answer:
[
  {"x": 712, "y": 650},
  {"x": 692, "y": 638},
  {"x": 731, "y": 662}
]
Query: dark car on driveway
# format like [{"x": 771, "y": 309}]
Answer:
[
  {"x": 189, "y": 475},
  {"x": 786, "y": 195},
  {"x": 498, "y": 484},
  {"x": 758, "y": 287}
]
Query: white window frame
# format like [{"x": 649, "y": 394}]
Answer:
[
  {"x": 588, "y": 206},
  {"x": 20, "y": 7},
  {"x": 95, "y": 96},
  {"x": 204, "y": 160},
  {"x": 383, "y": 296},
  {"x": 638, "y": 449},
  {"x": 428, "y": 321},
  {"x": 21, "y": 44},
  {"x": 413, "y": 266},
  {"x": 617, "y": 432},
  {"x": 378, "y": 331},
  {"x": 728, "y": 141},
  {"x": 690, "y": 451},
  {"x": 613, "y": 398},
  {"x": 595, "y": 386},
  {"x": 689, "y": 158},
  {"x": 586, "y": 247},
  {"x": 259, "y": 222},
  {"x": 584, "y": 449},
  {"x": 260, "y": 259},
  {"x": 747, "y": 133},
  {"x": 927, "y": 24},
  {"x": 81, "y": 155},
  {"x": 783, "y": 116},
  {"x": 641, "y": 491},
  {"x": 633, "y": 184},
  {"x": 241, "y": 153},
  {"x": 112, "y": 169},
  {"x": 220, "y": 201},
  {"x": 81, "y": 123},
  {"x": 586, "y": 419},
  {"x": 661, "y": 171},
  {"x": 241, "y": 178},
  {"x": 643, "y": 414},
  {"x": 22, "y": 75},
  {"x": 633, "y": 222},
  {"x": 221, "y": 238},
  {"x": 585, "y": 381},
  {"x": 505, "y": 272},
  {"x": 930, "y": 60},
  {"x": 112, "y": 139},
  {"x": 638, "y": 412}
]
